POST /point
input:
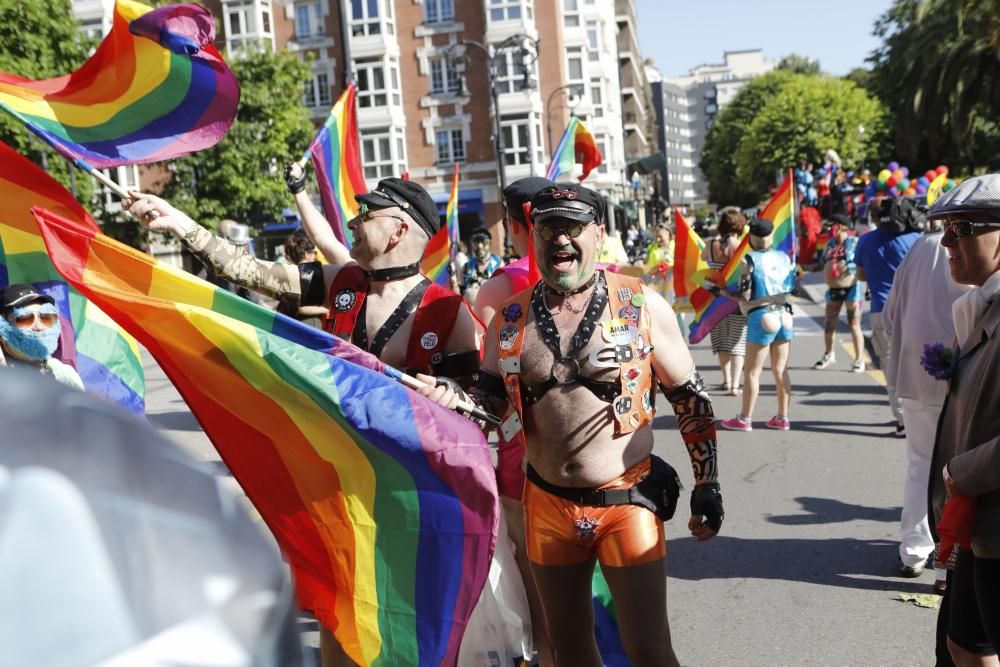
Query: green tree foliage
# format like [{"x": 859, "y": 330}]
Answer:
[
  {"x": 240, "y": 177},
  {"x": 938, "y": 70},
  {"x": 39, "y": 39},
  {"x": 810, "y": 115},
  {"x": 723, "y": 140},
  {"x": 793, "y": 62}
]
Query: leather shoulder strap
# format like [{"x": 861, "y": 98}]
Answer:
[
  {"x": 634, "y": 406},
  {"x": 346, "y": 300},
  {"x": 432, "y": 325}
]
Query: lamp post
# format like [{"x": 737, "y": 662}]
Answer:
[
  {"x": 526, "y": 48},
  {"x": 572, "y": 101}
]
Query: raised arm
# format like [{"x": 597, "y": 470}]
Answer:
[{"x": 317, "y": 227}]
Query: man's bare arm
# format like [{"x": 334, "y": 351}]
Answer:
[
  {"x": 316, "y": 226},
  {"x": 491, "y": 296}
]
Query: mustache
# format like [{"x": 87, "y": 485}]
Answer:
[{"x": 568, "y": 249}]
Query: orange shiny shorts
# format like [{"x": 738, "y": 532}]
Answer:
[{"x": 560, "y": 532}]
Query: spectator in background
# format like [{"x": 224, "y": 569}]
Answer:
[
  {"x": 612, "y": 250},
  {"x": 878, "y": 256},
  {"x": 480, "y": 266},
  {"x": 729, "y": 337},
  {"x": 298, "y": 249},
  {"x": 843, "y": 288},
  {"x": 29, "y": 334}
]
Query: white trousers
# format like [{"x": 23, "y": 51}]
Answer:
[
  {"x": 880, "y": 343},
  {"x": 915, "y": 542}
]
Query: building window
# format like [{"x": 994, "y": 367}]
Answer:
[
  {"x": 596, "y": 98},
  {"x": 444, "y": 78},
  {"x": 602, "y": 146},
  {"x": 317, "y": 91},
  {"x": 127, "y": 177},
  {"x": 265, "y": 21},
  {"x": 505, "y": 10},
  {"x": 574, "y": 69},
  {"x": 514, "y": 130},
  {"x": 439, "y": 11},
  {"x": 371, "y": 83},
  {"x": 240, "y": 21},
  {"x": 364, "y": 18},
  {"x": 571, "y": 13},
  {"x": 593, "y": 41},
  {"x": 376, "y": 153},
  {"x": 450, "y": 146},
  {"x": 396, "y": 90},
  {"x": 511, "y": 72},
  {"x": 309, "y": 20}
]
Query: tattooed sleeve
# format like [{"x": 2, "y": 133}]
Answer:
[
  {"x": 696, "y": 422},
  {"x": 238, "y": 265}
]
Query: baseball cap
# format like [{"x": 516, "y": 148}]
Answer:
[
  {"x": 410, "y": 197},
  {"x": 761, "y": 227},
  {"x": 981, "y": 193},
  {"x": 521, "y": 192},
  {"x": 570, "y": 201},
  {"x": 21, "y": 295}
]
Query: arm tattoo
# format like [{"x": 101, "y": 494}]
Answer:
[
  {"x": 238, "y": 265},
  {"x": 696, "y": 422}
]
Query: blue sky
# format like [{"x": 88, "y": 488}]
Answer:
[{"x": 680, "y": 34}]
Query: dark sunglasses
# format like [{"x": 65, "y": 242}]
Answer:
[
  {"x": 963, "y": 229},
  {"x": 570, "y": 229},
  {"x": 27, "y": 320}
]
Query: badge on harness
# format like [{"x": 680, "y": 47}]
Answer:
[
  {"x": 625, "y": 294},
  {"x": 586, "y": 529},
  {"x": 619, "y": 332},
  {"x": 630, "y": 314},
  {"x": 344, "y": 300},
  {"x": 429, "y": 340},
  {"x": 511, "y": 313},
  {"x": 508, "y": 334},
  {"x": 632, "y": 379},
  {"x": 621, "y": 406},
  {"x": 510, "y": 427}
]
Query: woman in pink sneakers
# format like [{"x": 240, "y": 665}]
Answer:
[{"x": 768, "y": 276}]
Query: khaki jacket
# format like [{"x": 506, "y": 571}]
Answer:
[{"x": 968, "y": 435}]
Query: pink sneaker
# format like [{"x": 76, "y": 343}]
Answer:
[
  {"x": 737, "y": 423},
  {"x": 779, "y": 422}
]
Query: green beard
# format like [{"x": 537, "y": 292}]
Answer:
[{"x": 568, "y": 281}]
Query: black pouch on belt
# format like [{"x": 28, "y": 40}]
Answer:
[
  {"x": 659, "y": 490},
  {"x": 839, "y": 293}
]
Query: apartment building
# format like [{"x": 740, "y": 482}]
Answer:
[{"x": 673, "y": 137}]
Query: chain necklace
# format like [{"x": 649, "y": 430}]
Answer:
[{"x": 567, "y": 295}]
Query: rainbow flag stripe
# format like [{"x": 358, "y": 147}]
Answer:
[
  {"x": 156, "y": 88},
  {"x": 439, "y": 255},
  {"x": 383, "y": 503},
  {"x": 106, "y": 357},
  {"x": 780, "y": 210},
  {"x": 576, "y": 145},
  {"x": 336, "y": 159},
  {"x": 689, "y": 267}
]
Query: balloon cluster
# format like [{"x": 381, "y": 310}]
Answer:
[{"x": 895, "y": 181}]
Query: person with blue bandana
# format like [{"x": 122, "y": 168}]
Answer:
[{"x": 29, "y": 333}]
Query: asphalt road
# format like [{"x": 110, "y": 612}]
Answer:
[{"x": 804, "y": 570}]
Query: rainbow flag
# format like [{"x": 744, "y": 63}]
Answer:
[
  {"x": 576, "y": 145},
  {"x": 337, "y": 162},
  {"x": 609, "y": 641},
  {"x": 106, "y": 357},
  {"x": 689, "y": 268},
  {"x": 439, "y": 255},
  {"x": 384, "y": 504},
  {"x": 156, "y": 88},
  {"x": 780, "y": 210}
]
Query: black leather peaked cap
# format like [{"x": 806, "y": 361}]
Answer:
[
  {"x": 568, "y": 201},
  {"x": 409, "y": 196},
  {"x": 521, "y": 192}
]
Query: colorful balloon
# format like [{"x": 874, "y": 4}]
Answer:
[
  {"x": 909, "y": 192},
  {"x": 930, "y": 175},
  {"x": 893, "y": 166},
  {"x": 892, "y": 181},
  {"x": 906, "y": 171},
  {"x": 941, "y": 170},
  {"x": 948, "y": 185},
  {"x": 921, "y": 189},
  {"x": 884, "y": 175},
  {"x": 892, "y": 192}
]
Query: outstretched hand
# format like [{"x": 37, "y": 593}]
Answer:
[{"x": 156, "y": 215}]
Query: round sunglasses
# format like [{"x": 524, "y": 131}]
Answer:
[
  {"x": 963, "y": 229},
  {"x": 572, "y": 229}
]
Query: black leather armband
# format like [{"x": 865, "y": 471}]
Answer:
[
  {"x": 312, "y": 289},
  {"x": 488, "y": 384},
  {"x": 295, "y": 185},
  {"x": 457, "y": 364}
]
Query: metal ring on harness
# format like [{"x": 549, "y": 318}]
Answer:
[{"x": 565, "y": 370}]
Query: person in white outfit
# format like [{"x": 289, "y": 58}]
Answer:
[{"x": 918, "y": 312}]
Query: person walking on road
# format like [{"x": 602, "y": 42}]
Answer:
[
  {"x": 843, "y": 289},
  {"x": 729, "y": 336}
]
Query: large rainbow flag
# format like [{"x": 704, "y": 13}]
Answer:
[
  {"x": 156, "y": 88},
  {"x": 689, "y": 268},
  {"x": 383, "y": 503},
  {"x": 439, "y": 255},
  {"x": 576, "y": 145},
  {"x": 780, "y": 210},
  {"x": 106, "y": 357},
  {"x": 337, "y": 161}
]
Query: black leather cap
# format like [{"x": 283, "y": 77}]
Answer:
[
  {"x": 761, "y": 227},
  {"x": 521, "y": 192},
  {"x": 21, "y": 295},
  {"x": 569, "y": 201},
  {"x": 409, "y": 196}
]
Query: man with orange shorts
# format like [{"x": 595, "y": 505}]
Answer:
[{"x": 573, "y": 364}]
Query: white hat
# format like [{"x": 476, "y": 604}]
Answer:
[{"x": 981, "y": 193}]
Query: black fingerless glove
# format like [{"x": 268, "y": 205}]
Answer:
[
  {"x": 295, "y": 185},
  {"x": 706, "y": 500}
]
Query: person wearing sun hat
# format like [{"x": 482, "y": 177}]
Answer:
[{"x": 29, "y": 333}]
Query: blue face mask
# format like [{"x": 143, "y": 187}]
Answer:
[{"x": 37, "y": 345}]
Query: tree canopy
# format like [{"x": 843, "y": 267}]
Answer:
[
  {"x": 240, "y": 177},
  {"x": 793, "y": 62}
]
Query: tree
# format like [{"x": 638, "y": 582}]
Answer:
[
  {"x": 240, "y": 177},
  {"x": 810, "y": 115},
  {"x": 797, "y": 64},
  {"x": 39, "y": 39},
  {"x": 938, "y": 70},
  {"x": 726, "y": 133}
]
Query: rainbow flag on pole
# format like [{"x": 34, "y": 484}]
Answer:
[
  {"x": 106, "y": 357},
  {"x": 156, "y": 88},
  {"x": 780, "y": 210},
  {"x": 337, "y": 162},
  {"x": 383, "y": 503},
  {"x": 439, "y": 255},
  {"x": 576, "y": 145},
  {"x": 689, "y": 267}
]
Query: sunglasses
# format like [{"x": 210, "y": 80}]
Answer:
[
  {"x": 27, "y": 320},
  {"x": 963, "y": 229},
  {"x": 571, "y": 229}
]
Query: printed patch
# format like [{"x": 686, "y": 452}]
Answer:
[
  {"x": 429, "y": 340},
  {"x": 632, "y": 379},
  {"x": 512, "y": 313},
  {"x": 646, "y": 405},
  {"x": 629, "y": 314},
  {"x": 508, "y": 334},
  {"x": 344, "y": 300},
  {"x": 623, "y": 354},
  {"x": 618, "y": 331},
  {"x": 625, "y": 294},
  {"x": 586, "y": 529}
]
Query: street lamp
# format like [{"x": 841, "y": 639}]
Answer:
[
  {"x": 572, "y": 101},
  {"x": 526, "y": 48}
]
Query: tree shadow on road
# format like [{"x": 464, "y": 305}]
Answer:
[
  {"x": 827, "y": 510},
  {"x": 841, "y": 562},
  {"x": 839, "y": 428},
  {"x": 823, "y": 389}
]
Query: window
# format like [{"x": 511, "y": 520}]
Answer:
[
  {"x": 397, "y": 98},
  {"x": 596, "y": 98},
  {"x": 450, "y": 146},
  {"x": 505, "y": 10},
  {"x": 439, "y": 11},
  {"x": 240, "y": 21},
  {"x": 571, "y": 13},
  {"x": 309, "y": 20},
  {"x": 444, "y": 78},
  {"x": 371, "y": 83},
  {"x": 376, "y": 155},
  {"x": 514, "y": 130},
  {"x": 593, "y": 41},
  {"x": 574, "y": 68},
  {"x": 317, "y": 91},
  {"x": 511, "y": 73},
  {"x": 602, "y": 146},
  {"x": 265, "y": 21},
  {"x": 364, "y": 18}
]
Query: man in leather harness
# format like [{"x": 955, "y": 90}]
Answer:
[{"x": 584, "y": 407}]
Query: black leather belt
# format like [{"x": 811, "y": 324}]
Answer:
[{"x": 581, "y": 496}]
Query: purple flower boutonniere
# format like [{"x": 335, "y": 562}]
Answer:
[{"x": 936, "y": 360}]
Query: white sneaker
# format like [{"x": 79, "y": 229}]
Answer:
[
  {"x": 859, "y": 366},
  {"x": 826, "y": 361}
]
